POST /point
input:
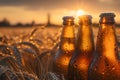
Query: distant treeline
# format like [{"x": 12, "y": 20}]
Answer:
[{"x": 6, "y": 23}]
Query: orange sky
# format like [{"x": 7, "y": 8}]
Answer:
[{"x": 29, "y": 10}]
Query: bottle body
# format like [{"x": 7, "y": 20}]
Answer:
[
  {"x": 105, "y": 65},
  {"x": 79, "y": 63},
  {"x": 66, "y": 49}
]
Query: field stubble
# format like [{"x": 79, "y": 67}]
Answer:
[{"x": 27, "y": 53}]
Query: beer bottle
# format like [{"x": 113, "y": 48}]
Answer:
[
  {"x": 66, "y": 47},
  {"x": 105, "y": 65},
  {"x": 79, "y": 63}
]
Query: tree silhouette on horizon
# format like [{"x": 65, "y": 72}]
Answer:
[{"x": 5, "y": 22}]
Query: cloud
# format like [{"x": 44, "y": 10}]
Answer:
[
  {"x": 39, "y": 4},
  {"x": 63, "y": 4}
]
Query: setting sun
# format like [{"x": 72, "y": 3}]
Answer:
[{"x": 79, "y": 13}]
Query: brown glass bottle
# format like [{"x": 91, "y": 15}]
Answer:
[
  {"x": 79, "y": 63},
  {"x": 105, "y": 64},
  {"x": 66, "y": 48}
]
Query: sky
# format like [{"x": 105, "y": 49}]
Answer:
[{"x": 37, "y": 10}]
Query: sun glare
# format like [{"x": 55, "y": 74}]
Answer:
[{"x": 79, "y": 13}]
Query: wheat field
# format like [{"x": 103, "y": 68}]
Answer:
[{"x": 27, "y": 53}]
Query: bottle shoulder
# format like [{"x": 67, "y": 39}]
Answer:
[
  {"x": 101, "y": 68},
  {"x": 61, "y": 55},
  {"x": 102, "y": 63},
  {"x": 81, "y": 59}
]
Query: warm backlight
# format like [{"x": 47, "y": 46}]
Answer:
[{"x": 80, "y": 12}]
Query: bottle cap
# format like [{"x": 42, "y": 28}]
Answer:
[
  {"x": 85, "y": 19},
  {"x": 68, "y": 20},
  {"x": 86, "y": 16},
  {"x": 107, "y": 18},
  {"x": 107, "y": 15}
]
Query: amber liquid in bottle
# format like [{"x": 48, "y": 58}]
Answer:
[
  {"x": 105, "y": 65},
  {"x": 66, "y": 48},
  {"x": 79, "y": 63}
]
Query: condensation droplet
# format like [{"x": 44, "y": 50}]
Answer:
[{"x": 113, "y": 68}]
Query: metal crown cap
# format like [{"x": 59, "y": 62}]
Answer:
[
  {"x": 86, "y": 16},
  {"x": 85, "y": 19},
  {"x": 68, "y": 18},
  {"x": 107, "y": 15}
]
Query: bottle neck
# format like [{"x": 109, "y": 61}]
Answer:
[
  {"x": 106, "y": 41},
  {"x": 85, "y": 38},
  {"x": 67, "y": 43}
]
